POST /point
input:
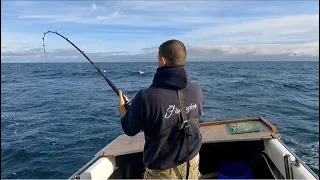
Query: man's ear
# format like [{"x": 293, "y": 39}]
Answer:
[{"x": 164, "y": 61}]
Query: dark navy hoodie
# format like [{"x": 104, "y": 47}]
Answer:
[{"x": 156, "y": 108}]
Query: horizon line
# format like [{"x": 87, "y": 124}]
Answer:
[{"x": 156, "y": 62}]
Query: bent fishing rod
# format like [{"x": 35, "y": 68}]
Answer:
[{"x": 115, "y": 89}]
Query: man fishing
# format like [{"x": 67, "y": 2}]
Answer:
[{"x": 168, "y": 112}]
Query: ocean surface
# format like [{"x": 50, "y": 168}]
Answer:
[{"x": 56, "y": 116}]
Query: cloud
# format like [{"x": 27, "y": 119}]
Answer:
[
  {"x": 302, "y": 50},
  {"x": 297, "y": 29},
  {"x": 14, "y": 41},
  {"x": 156, "y": 13},
  {"x": 134, "y": 29},
  {"x": 289, "y": 29},
  {"x": 115, "y": 14},
  {"x": 120, "y": 18},
  {"x": 135, "y": 13},
  {"x": 94, "y": 6},
  {"x": 307, "y": 51}
]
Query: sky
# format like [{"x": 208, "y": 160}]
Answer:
[{"x": 133, "y": 30}]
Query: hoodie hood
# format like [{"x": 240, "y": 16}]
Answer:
[{"x": 176, "y": 77}]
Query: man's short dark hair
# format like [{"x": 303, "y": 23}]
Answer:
[{"x": 174, "y": 51}]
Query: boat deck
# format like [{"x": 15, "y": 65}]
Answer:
[{"x": 212, "y": 132}]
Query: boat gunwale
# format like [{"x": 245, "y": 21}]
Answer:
[{"x": 264, "y": 121}]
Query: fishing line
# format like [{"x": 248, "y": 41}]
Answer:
[{"x": 115, "y": 89}]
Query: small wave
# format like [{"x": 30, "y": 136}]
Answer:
[
  {"x": 264, "y": 81},
  {"x": 234, "y": 67},
  {"x": 312, "y": 157},
  {"x": 84, "y": 73},
  {"x": 242, "y": 83},
  {"x": 17, "y": 155},
  {"x": 35, "y": 173},
  {"x": 11, "y": 81},
  {"x": 38, "y": 71},
  {"x": 295, "y": 86},
  {"x": 298, "y": 105},
  {"x": 47, "y": 74},
  {"x": 126, "y": 75},
  {"x": 248, "y": 76},
  {"x": 289, "y": 140}
]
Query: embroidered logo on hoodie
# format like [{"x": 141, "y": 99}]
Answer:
[{"x": 173, "y": 110}]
